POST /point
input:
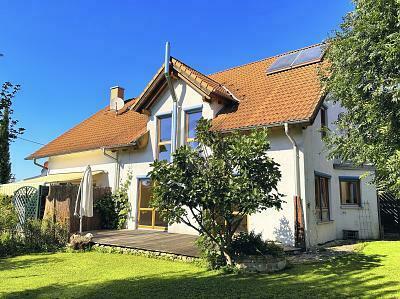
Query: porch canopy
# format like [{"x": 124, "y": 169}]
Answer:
[{"x": 9, "y": 189}]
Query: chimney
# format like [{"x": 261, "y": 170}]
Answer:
[{"x": 116, "y": 92}]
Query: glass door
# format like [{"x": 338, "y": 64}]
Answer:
[{"x": 148, "y": 217}]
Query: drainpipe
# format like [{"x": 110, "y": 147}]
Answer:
[
  {"x": 297, "y": 192},
  {"x": 40, "y": 165},
  {"x": 296, "y": 161},
  {"x": 117, "y": 168},
  {"x": 174, "y": 125}
]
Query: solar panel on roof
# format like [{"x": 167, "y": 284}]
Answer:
[
  {"x": 283, "y": 62},
  {"x": 297, "y": 58},
  {"x": 308, "y": 55}
]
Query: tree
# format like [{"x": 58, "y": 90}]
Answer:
[
  {"x": 363, "y": 75},
  {"x": 8, "y": 129},
  {"x": 213, "y": 187}
]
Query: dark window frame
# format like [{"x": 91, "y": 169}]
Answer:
[
  {"x": 319, "y": 202},
  {"x": 357, "y": 181}
]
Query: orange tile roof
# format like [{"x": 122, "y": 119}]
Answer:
[
  {"x": 102, "y": 129},
  {"x": 287, "y": 96}
]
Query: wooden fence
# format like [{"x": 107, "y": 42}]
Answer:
[{"x": 60, "y": 205}]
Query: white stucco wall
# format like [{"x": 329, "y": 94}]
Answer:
[
  {"x": 364, "y": 219},
  {"x": 77, "y": 162},
  {"x": 139, "y": 162}
]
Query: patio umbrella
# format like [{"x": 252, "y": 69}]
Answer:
[{"x": 85, "y": 192}]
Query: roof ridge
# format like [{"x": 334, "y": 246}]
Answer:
[
  {"x": 185, "y": 64},
  {"x": 266, "y": 58}
]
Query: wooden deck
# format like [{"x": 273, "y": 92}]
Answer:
[{"x": 148, "y": 240}]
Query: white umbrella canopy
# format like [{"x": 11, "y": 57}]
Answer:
[{"x": 85, "y": 192}]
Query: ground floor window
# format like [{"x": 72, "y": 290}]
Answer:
[
  {"x": 322, "y": 197},
  {"x": 148, "y": 217},
  {"x": 350, "y": 191}
]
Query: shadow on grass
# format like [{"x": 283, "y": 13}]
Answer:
[
  {"x": 342, "y": 277},
  {"x": 30, "y": 260}
]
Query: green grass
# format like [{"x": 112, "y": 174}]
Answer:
[{"x": 373, "y": 273}]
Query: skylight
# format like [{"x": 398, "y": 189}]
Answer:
[{"x": 292, "y": 60}]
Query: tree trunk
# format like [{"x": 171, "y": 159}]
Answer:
[{"x": 228, "y": 258}]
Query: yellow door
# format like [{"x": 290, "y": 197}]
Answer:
[{"x": 148, "y": 217}]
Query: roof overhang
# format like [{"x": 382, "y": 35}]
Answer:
[
  {"x": 179, "y": 71},
  {"x": 137, "y": 144}
]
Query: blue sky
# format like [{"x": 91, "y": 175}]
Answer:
[{"x": 67, "y": 54}]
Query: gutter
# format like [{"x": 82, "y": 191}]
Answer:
[
  {"x": 174, "y": 125},
  {"x": 117, "y": 168},
  {"x": 40, "y": 165}
]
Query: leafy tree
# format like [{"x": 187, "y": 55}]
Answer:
[
  {"x": 363, "y": 74},
  {"x": 212, "y": 193},
  {"x": 8, "y": 129}
]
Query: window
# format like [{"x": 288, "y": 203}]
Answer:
[
  {"x": 164, "y": 137},
  {"x": 323, "y": 122},
  {"x": 350, "y": 191},
  {"x": 322, "y": 197},
  {"x": 148, "y": 217},
  {"x": 192, "y": 117}
]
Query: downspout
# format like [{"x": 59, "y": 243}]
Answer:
[
  {"x": 297, "y": 191},
  {"x": 40, "y": 165},
  {"x": 174, "y": 125},
  {"x": 296, "y": 161},
  {"x": 117, "y": 168}
]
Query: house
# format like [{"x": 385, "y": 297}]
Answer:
[{"x": 325, "y": 199}]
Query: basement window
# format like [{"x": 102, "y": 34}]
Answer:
[
  {"x": 350, "y": 191},
  {"x": 164, "y": 124},
  {"x": 322, "y": 197}
]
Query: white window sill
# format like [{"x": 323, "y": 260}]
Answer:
[
  {"x": 325, "y": 222},
  {"x": 350, "y": 207}
]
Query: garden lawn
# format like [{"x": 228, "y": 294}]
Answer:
[{"x": 374, "y": 272}]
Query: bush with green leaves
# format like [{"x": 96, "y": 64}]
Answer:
[
  {"x": 213, "y": 187},
  {"x": 245, "y": 244},
  {"x": 33, "y": 236},
  {"x": 8, "y": 215},
  {"x": 114, "y": 207},
  {"x": 210, "y": 252}
]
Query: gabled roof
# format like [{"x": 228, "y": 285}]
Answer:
[
  {"x": 200, "y": 82},
  {"x": 103, "y": 129},
  {"x": 257, "y": 98}
]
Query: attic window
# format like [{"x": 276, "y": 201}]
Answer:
[
  {"x": 295, "y": 59},
  {"x": 192, "y": 117},
  {"x": 164, "y": 137}
]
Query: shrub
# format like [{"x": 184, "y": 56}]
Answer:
[
  {"x": 107, "y": 209},
  {"x": 8, "y": 215},
  {"x": 245, "y": 244},
  {"x": 114, "y": 208},
  {"x": 210, "y": 253},
  {"x": 44, "y": 235}
]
